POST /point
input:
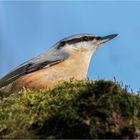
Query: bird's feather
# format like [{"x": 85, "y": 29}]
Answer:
[{"x": 46, "y": 59}]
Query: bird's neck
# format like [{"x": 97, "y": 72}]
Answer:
[{"x": 81, "y": 60}]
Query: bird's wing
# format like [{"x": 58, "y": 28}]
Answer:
[{"x": 46, "y": 59}]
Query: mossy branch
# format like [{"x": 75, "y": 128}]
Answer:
[{"x": 75, "y": 109}]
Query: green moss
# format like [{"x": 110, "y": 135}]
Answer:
[{"x": 75, "y": 109}]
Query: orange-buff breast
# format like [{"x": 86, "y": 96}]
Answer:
[{"x": 74, "y": 67}]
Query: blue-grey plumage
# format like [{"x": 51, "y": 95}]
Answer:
[
  {"x": 84, "y": 45},
  {"x": 48, "y": 58}
]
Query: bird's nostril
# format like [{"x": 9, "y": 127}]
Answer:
[{"x": 98, "y": 38}]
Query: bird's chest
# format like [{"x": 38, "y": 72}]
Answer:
[{"x": 72, "y": 67}]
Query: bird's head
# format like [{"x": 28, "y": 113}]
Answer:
[{"x": 83, "y": 42}]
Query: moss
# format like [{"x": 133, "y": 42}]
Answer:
[{"x": 75, "y": 109}]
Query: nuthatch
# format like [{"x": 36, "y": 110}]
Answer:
[{"x": 69, "y": 58}]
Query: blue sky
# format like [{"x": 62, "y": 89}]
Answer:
[{"x": 29, "y": 28}]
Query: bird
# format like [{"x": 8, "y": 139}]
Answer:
[{"x": 68, "y": 58}]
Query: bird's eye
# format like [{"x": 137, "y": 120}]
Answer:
[{"x": 85, "y": 38}]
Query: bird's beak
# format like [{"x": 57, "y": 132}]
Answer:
[{"x": 106, "y": 38}]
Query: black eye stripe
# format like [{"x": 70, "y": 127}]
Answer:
[
  {"x": 85, "y": 38},
  {"x": 88, "y": 38},
  {"x": 73, "y": 41},
  {"x": 76, "y": 40},
  {"x": 61, "y": 44}
]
